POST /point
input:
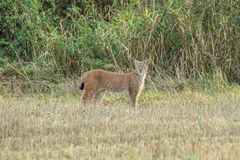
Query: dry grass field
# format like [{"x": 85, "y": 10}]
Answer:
[{"x": 189, "y": 125}]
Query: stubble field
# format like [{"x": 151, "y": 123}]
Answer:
[{"x": 186, "y": 125}]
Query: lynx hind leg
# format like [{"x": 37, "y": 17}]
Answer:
[
  {"x": 98, "y": 98},
  {"x": 87, "y": 96}
]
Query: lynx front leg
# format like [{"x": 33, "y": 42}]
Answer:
[{"x": 134, "y": 97}]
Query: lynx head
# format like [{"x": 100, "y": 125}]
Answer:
[{"x": 141, "y": 67}]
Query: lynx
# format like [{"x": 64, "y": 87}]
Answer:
[{"x": 96, "y": 82}]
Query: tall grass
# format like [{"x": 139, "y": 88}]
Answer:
[{"x": 183, "y": 38}]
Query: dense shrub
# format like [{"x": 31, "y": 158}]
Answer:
[{"x": 186, "y": 38}]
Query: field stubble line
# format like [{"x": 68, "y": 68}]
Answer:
[{"x": 178, "y": 127}]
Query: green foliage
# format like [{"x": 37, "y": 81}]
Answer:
[{"x": 194, "y": 38}]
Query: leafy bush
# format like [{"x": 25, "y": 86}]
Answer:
[{"x": 186, "y": 38}]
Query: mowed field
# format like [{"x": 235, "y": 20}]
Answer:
[{"x": 188, "y": 125}]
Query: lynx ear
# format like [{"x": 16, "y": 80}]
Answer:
[
  {"x": 145, "y": 61},
  {"x": 135, "y": 61}
]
